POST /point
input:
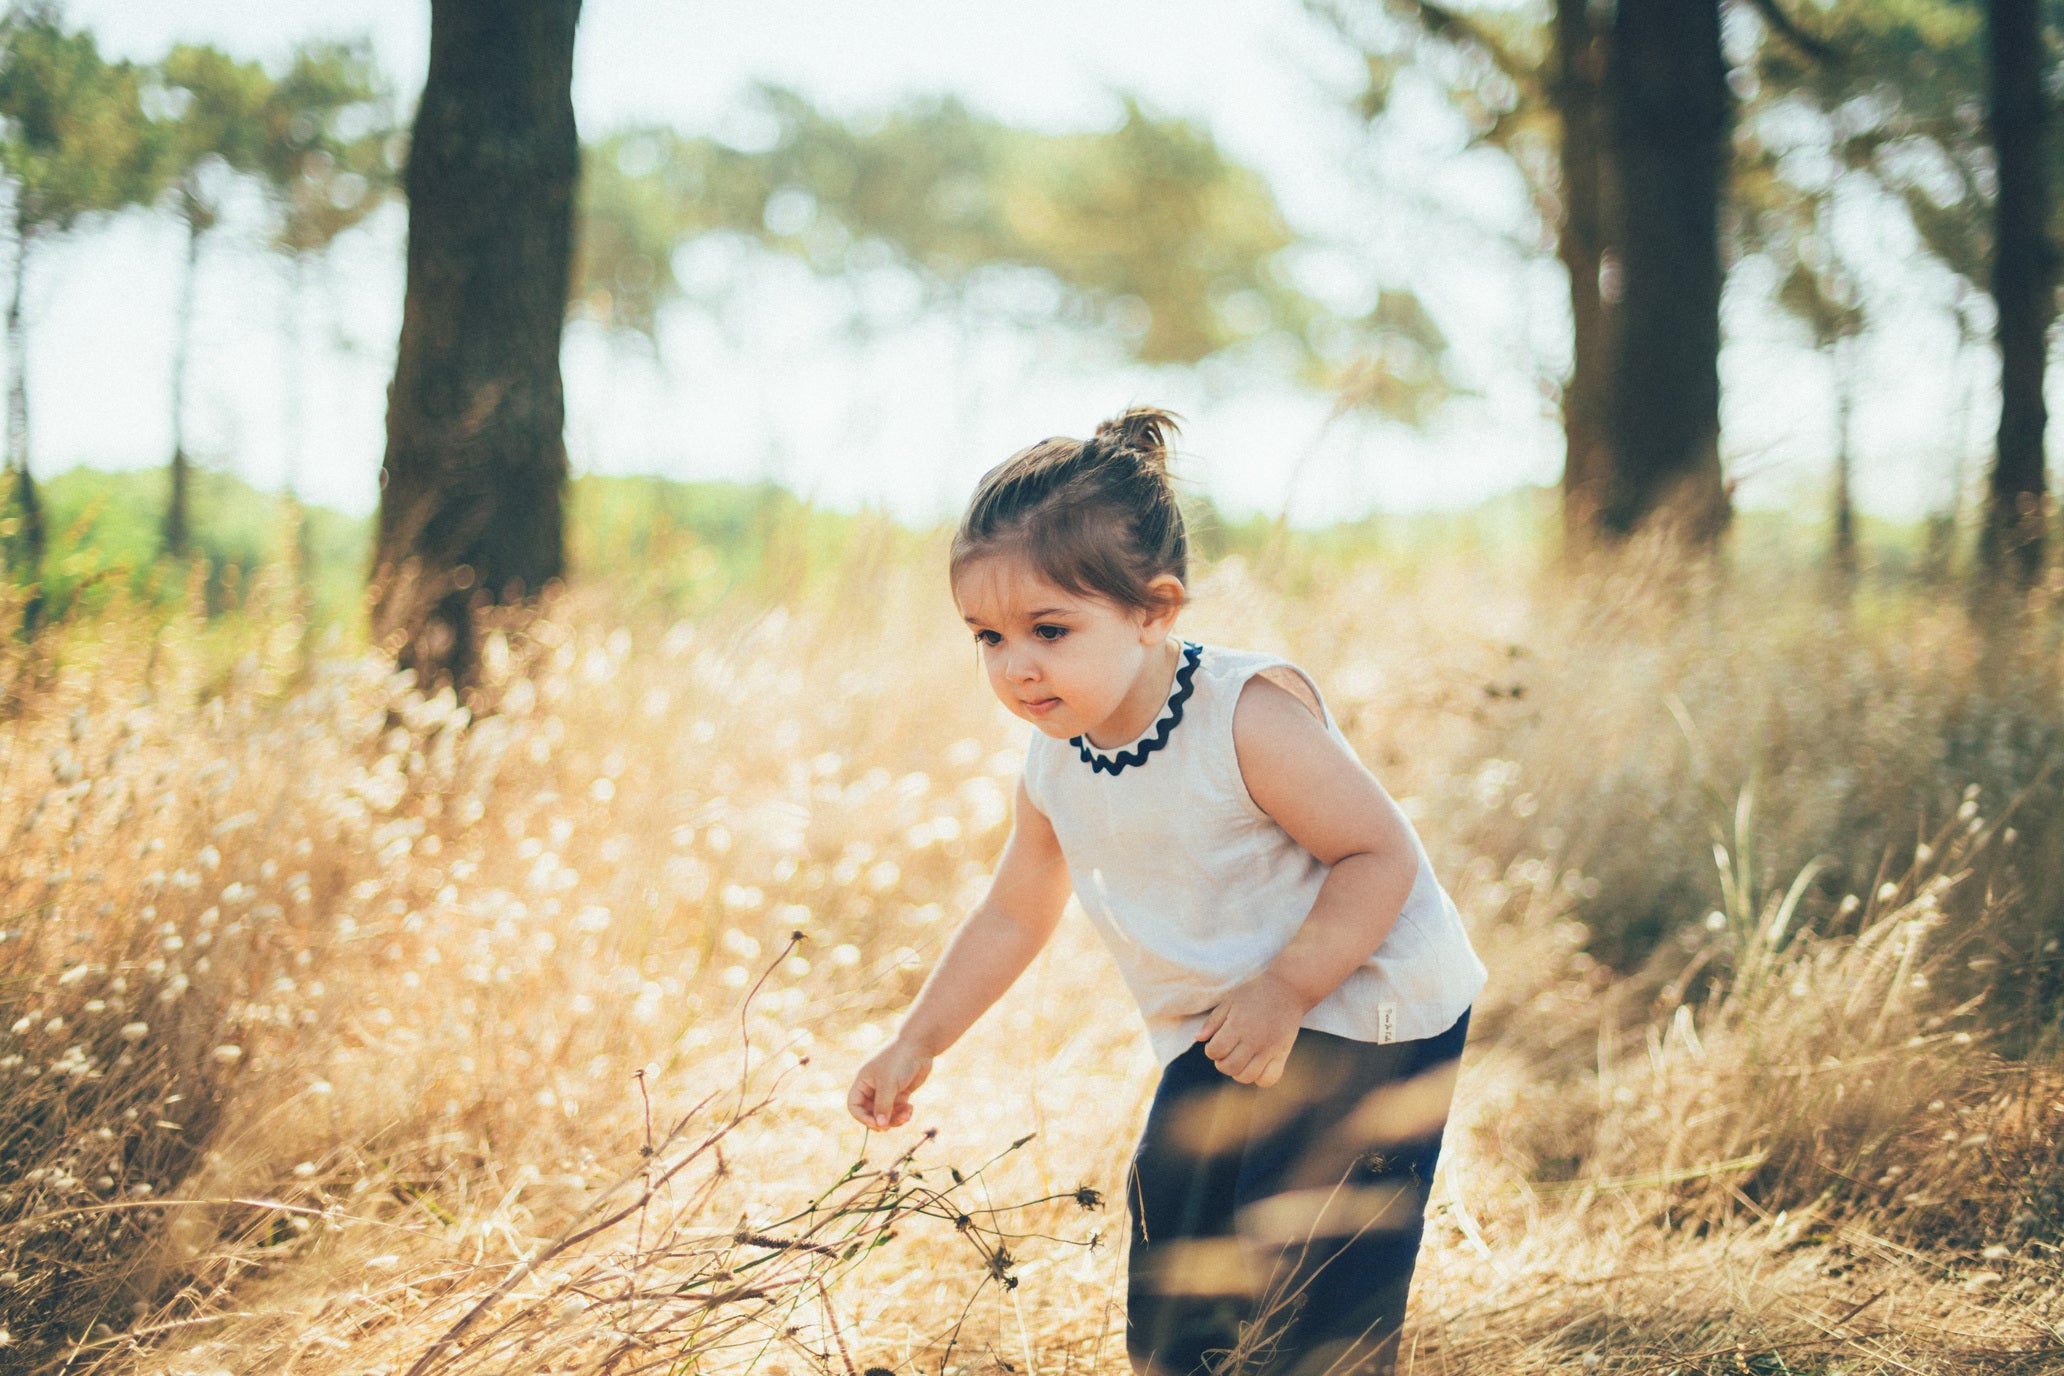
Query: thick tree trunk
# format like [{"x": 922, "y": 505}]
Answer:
[
  {"x": 177, "y": 531},
  {"x": 2023, "y": 280},
  {"x": 472, "y": 488},
  {"x": 1581, "y": 244},
  {"x": 1670, "y": 116}
]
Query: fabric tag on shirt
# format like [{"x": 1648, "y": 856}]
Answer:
[{"x": 1386, "y": 1022}]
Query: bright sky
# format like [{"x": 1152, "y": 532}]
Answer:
[{"x": 908, "y": 422}]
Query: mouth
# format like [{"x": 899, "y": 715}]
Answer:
[{"x": 1039, "y": 707}]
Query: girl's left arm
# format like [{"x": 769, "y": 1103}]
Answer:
[{"x": 1330, "y": 804}]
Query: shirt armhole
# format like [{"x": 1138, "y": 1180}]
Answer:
[
  {"x": 1030, "y": 775},
  {"x": 1297, "y": 684}
]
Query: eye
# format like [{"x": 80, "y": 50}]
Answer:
[
  {"x": 988, "y": 638},
  {"x": 1049, "y": 631}
]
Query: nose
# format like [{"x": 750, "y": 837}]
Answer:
[{"x": 1019, "y": 666}]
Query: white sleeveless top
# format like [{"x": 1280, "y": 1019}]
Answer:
[{"x": 1195, "y": 888}]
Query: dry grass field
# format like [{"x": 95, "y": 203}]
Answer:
[{"x": 345, "y": 1029}]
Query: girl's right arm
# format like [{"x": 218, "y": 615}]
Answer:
[{"x": 989, "y": 951}]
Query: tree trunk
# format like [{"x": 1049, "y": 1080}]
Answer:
[
  {"x": 473, "y": 484},
  {"x": 1843, "y": 555},
  {"x": 2022, "y": 284},
  {"x": 26, "y": 546},
  {"x": 1581, "y": 244},
  {"x": 177, "y": 531},
  {"x": 1670, "y": 116},
  {"x": 294, "y": 417}
]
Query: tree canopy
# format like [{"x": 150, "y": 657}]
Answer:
[
  {"x": 328, "y": 151},
  {"x": 74, "y": 142},
  {"x": 1146, "y": 229}
]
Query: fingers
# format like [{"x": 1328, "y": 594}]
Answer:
[
  {"x": 877, "y": 1105},
  {"x": 1252, "y": 1065},
  {"x": 860, "y": 1099},
  {"x": 1213, "y": 1020},
  {"x": 860, "y": 1102},
  {"x": 1234, "y": 1062},
  {"x": 880, "y": 1097}
]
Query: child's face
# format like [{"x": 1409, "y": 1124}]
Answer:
[{"x": 1070, "y": 664}]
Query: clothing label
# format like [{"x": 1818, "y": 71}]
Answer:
[{"x": 1386, "y": 1022}]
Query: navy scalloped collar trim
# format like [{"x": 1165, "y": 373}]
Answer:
[{"x": 1171, "y": 717}]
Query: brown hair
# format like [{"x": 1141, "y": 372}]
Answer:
[{"x": 1097, "y": 516}]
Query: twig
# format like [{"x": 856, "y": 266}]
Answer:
[
  {"x": 566, "y": 1240},
  {"x": 831, "y": 1318},
  {"x": 1785, "y": 27}
]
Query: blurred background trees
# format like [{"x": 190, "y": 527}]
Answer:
[
  {"x": 214, "y": 107},
  {"x": 75, "y": 145},
  {"x": 1661, "y": 136},
  {"x": 327, "y": 158},
  {"x": 1663, "y": 144}
]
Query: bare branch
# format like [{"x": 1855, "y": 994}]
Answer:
[{"x": 1815, "y": 49}]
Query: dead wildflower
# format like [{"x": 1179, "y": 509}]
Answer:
[{"x": 397, "y": 955}]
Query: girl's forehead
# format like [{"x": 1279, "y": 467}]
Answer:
[{"x": 1003, "y": 587}]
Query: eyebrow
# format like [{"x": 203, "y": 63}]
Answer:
[{"x": 1043, "y": 611}]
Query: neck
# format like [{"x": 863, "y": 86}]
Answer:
[{"x": 1143, "y": 702}]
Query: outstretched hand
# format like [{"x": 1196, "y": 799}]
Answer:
[
  {"x": 880, "y": 1097},
  {"x": 1250, "y": 1032}
]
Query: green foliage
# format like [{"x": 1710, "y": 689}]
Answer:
[
  {"x": 215, "y": 109},
  {"x": 1146, "y": 230},
  {"x": 1491, "y": 63},
  {"x": 106, "y": 539},
  {"x": 1890, "y": 89},
  {"x": 687, "y": 545},
  {"x": 688, "y": 549},
  {"x": 73, "y": 136},
  {"x": 1898, "y": 98},
  {"x": 329, "y": 154},
  {"x": 682, "y": 546}
]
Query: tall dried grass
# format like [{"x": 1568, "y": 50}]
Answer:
[{"x": 349, "y": 1028}]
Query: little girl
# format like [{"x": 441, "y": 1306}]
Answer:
[{"x": 1305, "y": 980}]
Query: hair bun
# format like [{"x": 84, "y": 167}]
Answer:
[
  {"x": 1144, "y": 430},
  {"x": 1097, "y": 517}
]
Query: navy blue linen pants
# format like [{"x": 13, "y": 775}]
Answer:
[{"x": 1275, "y": 1230}]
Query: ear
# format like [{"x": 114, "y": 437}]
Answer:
[{"x": 1170, "y": 595}]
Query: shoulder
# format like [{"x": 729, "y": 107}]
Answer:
[
  {"x": 1284, "y": 741},
  {"x": 1300, "y": 770},
  {"x": 1277, "y": 709}
]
